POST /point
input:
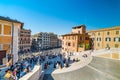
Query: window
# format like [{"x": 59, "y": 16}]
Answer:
[
  {"x": 79, "y": 32},
  {"x": 99, "y": 33},
  {"x": 68, "y": 44},
  {"x": 98, "y": 39},
  {"x": 117, "y": 39},
  {"x": 7, "y": 30},
  {"x": 108, "y": 33},
  {"x": 108, "y": 39},
  {"x": 117, "y": 32},
  {"x": 116, "y": 45}
]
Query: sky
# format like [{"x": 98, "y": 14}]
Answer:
[{"x": 59, "y": 16}]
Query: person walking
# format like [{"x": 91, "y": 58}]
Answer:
[
  {"x": 54, "y": 64},
  {"x": 23, "y": 73},
  {"x": 61, "y": 65},
  {"x": 15, "y": 74}
]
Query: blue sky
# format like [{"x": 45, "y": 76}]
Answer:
[{"x": 59, "y": 16}]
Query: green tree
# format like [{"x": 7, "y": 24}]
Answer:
[
  {"x": 87, "y": 46},
  {"x": 81, "y": 45}
]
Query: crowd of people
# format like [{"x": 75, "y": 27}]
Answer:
[
  {"x": 20, "y": 68},
  {"x": 60, "y": 62}
]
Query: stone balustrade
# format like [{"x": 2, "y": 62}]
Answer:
[{"x": 34, "y": 74}]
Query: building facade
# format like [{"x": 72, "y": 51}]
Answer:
[
  {"x": 76, "y": 41},
  {"x": 105, "y": 38},
  {"x": 59, "y": 42},
  {"x": 53, "y": 40},
  {"x": 9, "y": 30},
  {"x": 24, "y": 41},
  {"x": 42, "y": 39},
  {"x": 34, "y": 43}
]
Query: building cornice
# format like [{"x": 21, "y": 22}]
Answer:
[
  {"x": 11, "y": 20},
  {"x": 105, "y": 29},
  {"x": 74, "y": 34}
]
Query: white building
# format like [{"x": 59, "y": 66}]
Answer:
[
  {"x": 42, "y": 39},
  {"x": 45, "y": 40}
]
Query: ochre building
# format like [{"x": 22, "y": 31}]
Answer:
[
  {"x": 105, "y": 38},
  {"x": 24, "y": 41},
  {"x": 9, "y": 36},
  {"x": 53, "y": 40},
  {"x": 76, "y": 41}
]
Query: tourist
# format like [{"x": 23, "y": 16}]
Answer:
[
  {"x": 18, "y": 72},
  {"x": 12, "y": 67},
  {"x": 23, "y": 73},
  {"x": 67, "y": 65},
  {"x": 28, "y": 68},
  {"x": 15, "y": 74},
  {"x": 8, "y": 75},
  {"x": 76, "y": 59},
  {"x": 69, "y": 59},
  {"x": 61, "y": 66},
  {"x": 73, "y": 59},
  {"x": 57, "y": 65},
  {"x": 45, "y": 66},
  {"x": 54, "y": 64},
  {"x": 85, "y": 56}
]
